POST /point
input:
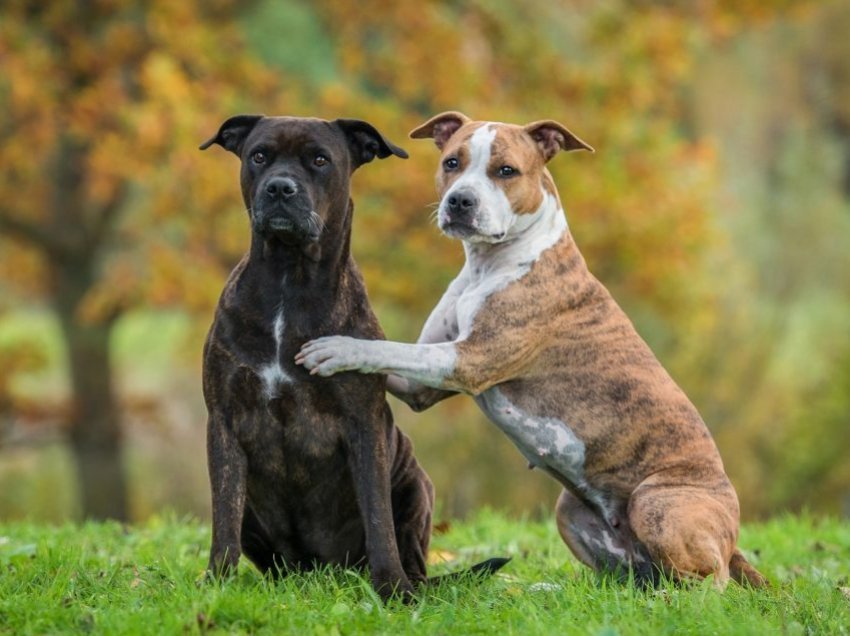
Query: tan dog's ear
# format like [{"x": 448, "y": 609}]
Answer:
[
  {"x": 551, "y": 137},
  {"x": 440, "y": 127}
]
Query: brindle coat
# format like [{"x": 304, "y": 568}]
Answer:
[
  {"x": 551, "y": 358},
  {"x": 305, "y": 470}
]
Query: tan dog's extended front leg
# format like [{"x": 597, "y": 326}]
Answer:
[
  {"x": 441, "y": 326},
  {"x": 471, "y": 364},
  {"x": 428, "y": 364},
  {"x": 467, "y": 366}
]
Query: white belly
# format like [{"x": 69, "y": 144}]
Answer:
[{"x": 546, "y": 442}]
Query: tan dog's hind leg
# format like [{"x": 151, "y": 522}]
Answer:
[
  {"x": 599, "y": 545},
  {"x": 690, "y": 531},
  {"x": 573, "y": 517}
]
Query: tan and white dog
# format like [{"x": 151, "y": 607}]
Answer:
[{"x": 552, "y": 360}]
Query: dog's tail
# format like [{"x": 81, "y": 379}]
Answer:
[
  {"x": 743, "y": 573},
  {"x": 479, "y": 570}
]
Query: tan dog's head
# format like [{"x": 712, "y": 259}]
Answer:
[{"x": 492, "y": 177}]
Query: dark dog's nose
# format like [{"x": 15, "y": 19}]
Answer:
[
  {"x": 462, "y": 204},
  {"x": 282, "y": 187}
]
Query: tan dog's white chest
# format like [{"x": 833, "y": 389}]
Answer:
[{"x": 492, "y": 268}]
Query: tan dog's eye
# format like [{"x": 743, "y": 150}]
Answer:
[
  {"x": 258, "y": 157},
  {"x": 507, "y": 171},
  {"x": 450, "y": 164},
  {"x": 320, "y": 160}
]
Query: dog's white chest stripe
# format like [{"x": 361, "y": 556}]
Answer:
[
  {"x": 490, "y": 268},
  {"x": 272, "y": 374}
]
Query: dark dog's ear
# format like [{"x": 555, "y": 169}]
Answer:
[
  {"x": 233, "y": 133},
  {"x": 441, "y": 127},
  {"x": 551, "y": 137},
  {"x": 365, "y": 142}
]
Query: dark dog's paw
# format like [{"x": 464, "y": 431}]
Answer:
[
  {"x": 391, "y": 590},
  {"x": 222, "y": 564}
]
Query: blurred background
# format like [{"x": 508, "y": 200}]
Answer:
[{"x": 716, "y": 210}]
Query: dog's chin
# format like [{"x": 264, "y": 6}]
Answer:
[
  {"x": 460, "y": 231},
  {"x": 286, "y": 231},
  {"x": 469, "y": 234}
]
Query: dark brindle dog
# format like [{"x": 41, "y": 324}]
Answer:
[{"x": 305, "y": 470}]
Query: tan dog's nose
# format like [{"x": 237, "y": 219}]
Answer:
[{"x": 462, "y": 204}]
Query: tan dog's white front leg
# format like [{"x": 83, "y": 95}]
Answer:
[
  {"x": 429, "y": 364},
  {"x": 465, "y": 366},
  {"x": 441, "y": 326}
]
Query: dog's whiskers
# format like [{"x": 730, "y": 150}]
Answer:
[
  {"x": 316, "y": 223},
  {"x": 432, "y": 216}
]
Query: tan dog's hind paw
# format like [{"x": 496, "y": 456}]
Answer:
[{"x": 689, "y": 531}]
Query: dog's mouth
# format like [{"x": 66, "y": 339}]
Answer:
[
  {"x": 281, "y": 224},
  {"x": 289, "y": 230},
  {"x": 469, "y": 233},
  {"x": 458, "y": 229}
]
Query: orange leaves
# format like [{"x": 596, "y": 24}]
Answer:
[
  {"x": 138, "y": 90},
  {"x": 164, "y": 81},
  {"x": 134, "y": 92}
]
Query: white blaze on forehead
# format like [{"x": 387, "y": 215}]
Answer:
[
  {"x": 480, "y": 149},
  {"x": 494, "y": 215}
]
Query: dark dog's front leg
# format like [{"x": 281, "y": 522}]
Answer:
[
  {"x": 370, "y": 467},
  {"x": 227, "y": 468}
]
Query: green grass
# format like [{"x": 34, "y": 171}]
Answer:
[{"x": 106, "y": 578}]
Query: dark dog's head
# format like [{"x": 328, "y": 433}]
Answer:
[{"x": 296, "y": 171}]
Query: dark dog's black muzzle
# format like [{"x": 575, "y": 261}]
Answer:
[
  {"x": 283, "y": 209},
  {"x": 281, "y": 188}
]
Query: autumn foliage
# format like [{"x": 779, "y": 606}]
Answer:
[{"x": 106, "y": 206}]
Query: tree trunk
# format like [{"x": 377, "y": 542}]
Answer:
[{"x": 95, "y": 430}]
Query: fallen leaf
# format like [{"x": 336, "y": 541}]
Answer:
[
  {"x": 340, "y": 609},
  {"x": 543, "y": 586},
  {"x": 442, "y": 527},
  {"x": 440, "y": 556},
  {"x": 204, "y": 622}
]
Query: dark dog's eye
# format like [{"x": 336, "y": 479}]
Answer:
[
  {"x": 450, "y": 164},
  {"x": 320, "y": 160},
  {"x": 507, "y": 171},
  {"x": 258, "y": 157}
]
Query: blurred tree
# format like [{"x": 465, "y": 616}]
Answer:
[
  {"x": 101, "y": 102},
  {"x": 775, "y": 361},
  {"x": 689, "y": 211},
  {"x": 690, "y": 266},
  {"x": 640, "y": 207}
]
